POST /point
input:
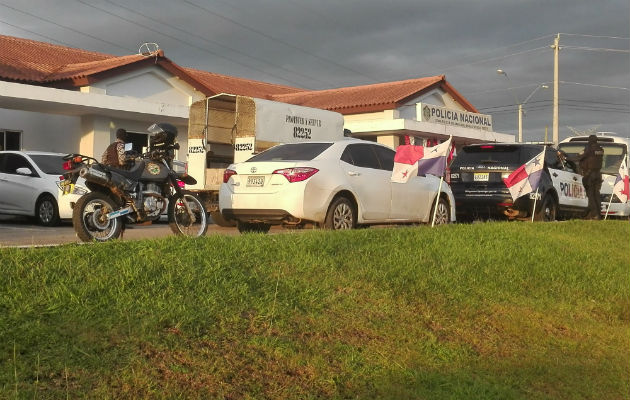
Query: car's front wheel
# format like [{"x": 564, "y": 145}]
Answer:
[
  {"x": 341, "y": 215},
  {"x": 46, "y": 211}
]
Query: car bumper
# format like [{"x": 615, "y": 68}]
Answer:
[
  {"x": 616, "y": 209},
  {"x": 66, "y": 204},
  {"x": 491, "y": 204}
]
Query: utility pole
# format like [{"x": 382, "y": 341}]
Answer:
[{"x": 556, "y": 50}]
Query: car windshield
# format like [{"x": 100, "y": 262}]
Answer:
[
  {"x": 49, "y": 163},
  {"x": 291, "y": 152},
  {"x": 613, "y": 154},
  {"x": 491, "y": 155}
]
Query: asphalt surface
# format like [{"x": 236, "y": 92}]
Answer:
[{"x": 21, "y": 231}]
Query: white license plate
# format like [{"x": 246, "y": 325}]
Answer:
[
  {"x": 535, "y": 195},
  {"x": 256, "y": 181},
  {"x": 481, "y": 176}
]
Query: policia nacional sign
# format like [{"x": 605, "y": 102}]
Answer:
[{"x": 447, "y": 116}]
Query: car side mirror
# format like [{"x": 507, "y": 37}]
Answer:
[{"x": 24, "y": 171}]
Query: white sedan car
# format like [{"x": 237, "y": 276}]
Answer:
[
  {"x": 337, "y": 185},
  {"x": 30, "y": 185}
]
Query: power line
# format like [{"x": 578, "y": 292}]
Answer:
[
  {"x": 36, "y": 34},
  {"x": 496, "y": 58},
  {"x": 595, "y": 49},
  {"x": 217, "y": 43},
  {"x": 593, "y": 85},
  {"x": 279, "y": 40},
  {"x": 594, "y": 36},
  {"x": 135, "y": 23},
  {"x": 67, "y": 27}
]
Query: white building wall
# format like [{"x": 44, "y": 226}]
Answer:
[
  {"x": 91, "y": 134},
  {"x": 43, "y": 132}
]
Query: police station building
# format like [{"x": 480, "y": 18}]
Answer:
[{"x": 61, "y": 99}]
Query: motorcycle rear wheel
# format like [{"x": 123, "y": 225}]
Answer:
[
  {"x": 89, "y": 218},
  {"x": 181, "y": 222}
]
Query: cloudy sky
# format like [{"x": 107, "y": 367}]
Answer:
[{"x": 326, "y": 44}]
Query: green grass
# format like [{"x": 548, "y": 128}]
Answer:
[{"x": 481, "y": 311}]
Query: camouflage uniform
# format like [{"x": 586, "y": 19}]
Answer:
[{"x": 114, "y": 154}]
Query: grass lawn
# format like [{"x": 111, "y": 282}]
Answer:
[{"x": 481, "y": 311}]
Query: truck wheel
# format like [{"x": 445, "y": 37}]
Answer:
[
  {"x": 548, "y": 209},
  {"x": 218, "y": 219},
  {"x": 341, "y": 215}
]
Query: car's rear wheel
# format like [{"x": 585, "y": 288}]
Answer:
[
  {"x": 47, "y": 211},
  {"x": 341, "y": 215},
  {"x": 253, "y": 227},
  {"x": 442, "y": 215},
  {"x": 548, "y": 209}
]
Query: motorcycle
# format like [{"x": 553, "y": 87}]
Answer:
[{"x": 138, "y": 194}]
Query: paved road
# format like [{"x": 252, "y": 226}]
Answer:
[{"x": 20, "y": 231}]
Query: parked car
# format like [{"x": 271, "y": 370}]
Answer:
[
  {"x": 336, "y": 184},
  {"x": 615, "y": 151},
  {"x": 477, "y": 175},
  {"x": 30, "y": 185}
]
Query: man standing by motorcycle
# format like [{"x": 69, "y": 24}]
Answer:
[{"x": 114, "y": 154}]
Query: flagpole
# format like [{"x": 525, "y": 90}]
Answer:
[
  {"x": 437, "y": 197},
  {"x": 536, "y": 195},
  {"x": 437, "y": 201},
  {"x": 534, "y": 209},
  {"x": 609, "y": 202}
]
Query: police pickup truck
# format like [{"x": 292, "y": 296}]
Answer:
[{"x": 477, "y": 175}]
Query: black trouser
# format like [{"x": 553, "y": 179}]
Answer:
[{"x": 592, "y": 181}]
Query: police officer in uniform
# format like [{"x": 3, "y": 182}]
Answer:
[
  {"x": 591, "y": 164},
  {"x": 114, "y": 154}
]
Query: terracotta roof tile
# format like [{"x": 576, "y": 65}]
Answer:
[
  {"x": 78, "y": 70},
  {"x": 32, "y": 61},
  {"x": 37, "y": 62},
  {"x": 361, "y": 98},
  {"x": 217, "y": 83}
]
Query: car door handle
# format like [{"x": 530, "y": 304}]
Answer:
[
  {"x": 555, "y": 175},
  {"x": 353, "y": 173}
]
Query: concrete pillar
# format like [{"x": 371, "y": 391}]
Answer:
[
  {"x": 390, "y": 141},
  {"x": 96, "y": 135}
]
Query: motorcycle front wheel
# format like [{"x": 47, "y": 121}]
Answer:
[
  {"x": 187, "y": 216},
  {"x": 89, "y": 218}
]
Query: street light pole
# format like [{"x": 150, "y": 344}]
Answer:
[{"x": 520, "y": 105}]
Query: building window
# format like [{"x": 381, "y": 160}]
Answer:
[{"x": 10, "y": 140}]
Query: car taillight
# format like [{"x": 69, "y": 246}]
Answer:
[
  {"x": 298, "y": 174},
  {"x": 227, "y": 174},
  {"x": 487, "y": 147}
]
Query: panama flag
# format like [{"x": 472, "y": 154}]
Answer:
[
  {"x": 622, "y": 187},
  {"x": 434, "y": 159},
  {"x": 526, "y": 178},
  {"x": 406, "y": 162}
]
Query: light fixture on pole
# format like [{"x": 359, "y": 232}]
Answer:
[{"x": 521, "y": 112}]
